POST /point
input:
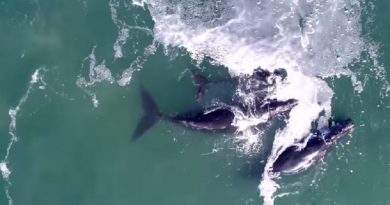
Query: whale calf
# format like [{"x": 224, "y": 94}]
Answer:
[
  {"x": 215, "y": 119},
  {"x": 300, "y": 156}
]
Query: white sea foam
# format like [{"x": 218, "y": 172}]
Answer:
[
  {"x": 136, "y": 65},
  {"x": 123, "y": 28},
  {"x": 97, "y": 73},
  {"x": 126, "y": 76},
  {"x": 37, "y": 80},
  {"x": 122, "y": 38},
  {"x": 123, "y": 31},
  {"x": 311, "y": 39},
  {"x": 140, "y": 3},
  {"x": 4, "y": 170}
]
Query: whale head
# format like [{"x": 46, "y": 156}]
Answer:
[{"x": 338, "y": 129}]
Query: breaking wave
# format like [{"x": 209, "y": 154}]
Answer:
[{"x": 310, "y": 39}]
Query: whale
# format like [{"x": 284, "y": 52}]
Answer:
[
  {"x": 219, "y": 118},
  {"x": 302, "y": 155},
  {"x": 214, "y": 119}
]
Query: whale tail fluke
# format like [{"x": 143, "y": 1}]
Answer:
[{"x": 150, "y": 117}]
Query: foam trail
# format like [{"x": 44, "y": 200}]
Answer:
[{"x": 36, "y": 78}]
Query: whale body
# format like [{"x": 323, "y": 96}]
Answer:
[
  {"x": 215, "y": 119},
  {"x": 298, "y": 157}
]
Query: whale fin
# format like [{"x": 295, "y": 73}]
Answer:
[
  {"x": 200, "y": 82},
  {"x": 151, "y": 115}
]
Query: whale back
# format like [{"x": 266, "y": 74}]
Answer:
[
  {"x": 337, "y": 130},
  {"x": 293, "y": 159},
  {"x": 218, "y": 120}
]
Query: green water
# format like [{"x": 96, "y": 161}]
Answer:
[{"x": 69, "y": 152}]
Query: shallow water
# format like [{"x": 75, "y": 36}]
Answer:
[{"x": 71, "y": 73}]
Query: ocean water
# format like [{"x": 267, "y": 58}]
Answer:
[{"x": 71, "y": 72}]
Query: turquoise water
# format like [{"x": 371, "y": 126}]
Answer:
[{"x": 72, "y": 149}]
